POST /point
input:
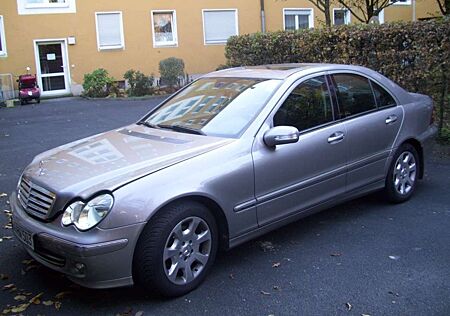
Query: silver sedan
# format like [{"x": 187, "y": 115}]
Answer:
[{"x": 230, "y": 157}]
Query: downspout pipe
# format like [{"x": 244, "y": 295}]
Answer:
[{"x": 263, "y": 16}]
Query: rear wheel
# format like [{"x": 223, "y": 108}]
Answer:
[
  {"x": 38, "y": 101},
  {"x": 176, "y": 249},
  {"x": 403, "y": 174}
]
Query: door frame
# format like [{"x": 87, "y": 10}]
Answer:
[{"x": 65, "y": 55}]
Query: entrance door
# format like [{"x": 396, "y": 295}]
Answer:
[{"x": 52, "y": 68}]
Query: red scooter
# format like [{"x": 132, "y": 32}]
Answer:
[{"x": 28, "y": 89}]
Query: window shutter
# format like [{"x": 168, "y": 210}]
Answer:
[
  {"x": 109, "y": 31},
  {"x": 219, "y": 26}
]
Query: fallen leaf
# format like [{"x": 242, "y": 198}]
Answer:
[
  {"x": 36, "y": 299},
  {"x": 395, "y": 294},
  {"x": 58, "y": 305},
  {"x": 27, "y": 262},
  {"x": 394, "y": 257},
  {"x": 266, "y": 246},
  {"x": 265, "y": 293},
  {"x": 4, "y": 277},
  {"x": 21, "y": 308},
  {"x": 6, "y": 311},
  {"x": 8, "y": 286},
  {"x": 349, "y": 306},
  {"x": 47, "y": 303},
  {"x": 20, "y": 298},
  {"x": 231, "y": 276},
  {"x": 3, "y": 194},
  {"x": 276, "y": 287},
  {"x": 365, "y": 314},
  {"x": 6, "y": 237},
  {"x": 30, "y": 267},
  {"x": 276, "y": 265},
  {"x": 336, "y": 254},
  {"x": 140, "y": 313},
  {"x": 61, "y": 295}
]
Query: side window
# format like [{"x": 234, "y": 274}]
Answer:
[
  {"x": 354, "y": 94},
  {"x": 309, "y": 105},
  {"x": 384, "y": 99}
]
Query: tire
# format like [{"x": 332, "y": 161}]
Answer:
[
  {"x": 38, "y": 101},
  {"x": 401, "y": 180},
  {"x": 166, "y": 258},
  {"x": 22, "y": 102}
]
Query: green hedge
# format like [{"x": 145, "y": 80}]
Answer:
[{"x": 415, "y": 54}]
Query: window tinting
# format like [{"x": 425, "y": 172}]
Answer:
[
  {"x": 309, "y": 105},
  {"x": 354, "y": 94},
  {"x": 382, "y": 96}
]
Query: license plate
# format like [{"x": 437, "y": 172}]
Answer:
[
  {"x": 30, "y": 93},
  {"x": 24, "y": 235}
]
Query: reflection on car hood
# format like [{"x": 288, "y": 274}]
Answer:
[{"x": 112, "y": 159}]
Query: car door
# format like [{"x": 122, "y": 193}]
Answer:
[
  {"x": 373, "y": 120},
  {"x": 293, "y": 177}
]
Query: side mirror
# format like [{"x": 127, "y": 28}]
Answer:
[{"x": 281, "y": 135}]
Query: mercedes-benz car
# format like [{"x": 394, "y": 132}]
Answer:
[{"x": 232, "y": 156}]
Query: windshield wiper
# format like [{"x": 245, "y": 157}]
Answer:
[
  {"x": 183, "y": 129},
  {"x": 148, "y": 124}
]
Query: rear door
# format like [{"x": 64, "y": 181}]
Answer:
[
  {"x": 372, "y": 120},
  {"x": 294, "y": 177}
]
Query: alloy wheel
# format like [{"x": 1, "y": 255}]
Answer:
[{"x": 405, "y": 171}]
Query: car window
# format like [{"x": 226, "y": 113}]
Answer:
[
  {"x": 307, "y": 106},
  {"x": 383, "y": 97},
  {"x": 354, "y": 94}
]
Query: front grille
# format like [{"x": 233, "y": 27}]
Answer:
[{"x": 34, "y": 199}]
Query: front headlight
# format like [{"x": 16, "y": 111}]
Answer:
[{"x": 86, "y": 215}]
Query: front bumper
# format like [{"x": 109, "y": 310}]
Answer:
[{"x": 100, "y": 258}]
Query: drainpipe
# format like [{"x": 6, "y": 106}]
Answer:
[
  {"x": 263, "y": 16},
  {"x": 414, "y": 10}
]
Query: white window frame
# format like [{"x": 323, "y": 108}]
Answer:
[
  {"x": 347, "y": 18},
  {"x": 25, "y": 8},
  {"x": 122, "y": 36},
  {"x": 205, "y": 42},
  {"x": 174, "y": 43},
  {"x": 3, "y": 51},
  {"x": 407, "y": 2},
  {"x": 310, "y": 17}
]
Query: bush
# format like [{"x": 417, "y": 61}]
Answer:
[
  {"x": 414, "y": 54},
  {"x": 171, "y": 69},
  {"x": 140, "y": 84},
  {"x": 96, "y": 84}
]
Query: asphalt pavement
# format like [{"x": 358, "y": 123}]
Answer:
[{"x": 364, "y": 257}]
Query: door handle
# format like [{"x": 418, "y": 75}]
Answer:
[
  {"x": 336, "y": 138},
  {"x": 391, "y": 119}
]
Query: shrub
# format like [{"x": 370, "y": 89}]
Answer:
[
  {"x": 414, "y": 54},
  {"x": 140, "y": 84},
  {"x": 96, "y": 84},
  {"x": 171, "y": 69}
]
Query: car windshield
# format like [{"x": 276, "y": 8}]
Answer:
[{"x": 222, "y": 107}]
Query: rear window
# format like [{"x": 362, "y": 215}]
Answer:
[
  {"x": 354, "y": 94},
  {"x": 384, "y": 98}
]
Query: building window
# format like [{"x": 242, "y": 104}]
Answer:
[
  {"x": 401, "y": 2},
  {"x": 109, "y": 30},
  {"x": 219, "y": 25},
  {"x": 295, "y": 19},
  {"x": 341, "y": 16},
  {"x": 46, "y": 6},
  {"x": 2, "y": 38},
  {"x": 164, "y": 28}
]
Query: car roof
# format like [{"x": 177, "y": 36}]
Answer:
[{"x": 278, "y": 71}]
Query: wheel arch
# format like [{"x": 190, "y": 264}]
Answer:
[
  {"x": 213, "y": 206},
  {"x": 418, "y": 147}
]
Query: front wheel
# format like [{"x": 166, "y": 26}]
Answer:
[
  {"x": 176, "y": 249},
  {"x": 403, "y": 174}
]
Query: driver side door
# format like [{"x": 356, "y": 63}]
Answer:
[{"x": 294, "y": 177}]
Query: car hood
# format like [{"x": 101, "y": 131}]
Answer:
[{"x": 112, "y": 159}]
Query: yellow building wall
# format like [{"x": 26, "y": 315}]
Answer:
[{"x": 139, "y": 53}]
